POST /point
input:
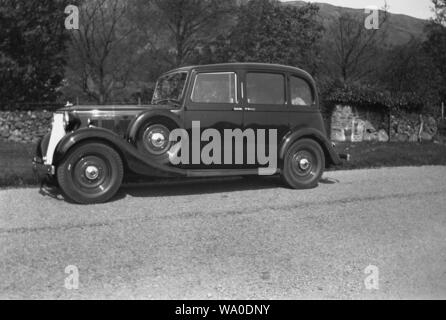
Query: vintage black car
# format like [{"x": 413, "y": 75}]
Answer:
[{"x": 272, "y": 108}]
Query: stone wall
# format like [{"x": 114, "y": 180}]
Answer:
[
  {"x": 24, "y": 126},
  {"x": 346, "y": 123},
  {"x": 358, "y": 124},
  {"x": 406, "y": 127},
  {"x": 365, "y": 124}
]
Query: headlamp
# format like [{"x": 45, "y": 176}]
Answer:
[{"x": 66, "y": 119}]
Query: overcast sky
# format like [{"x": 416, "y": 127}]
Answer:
[{"x": 416, "y": 8}]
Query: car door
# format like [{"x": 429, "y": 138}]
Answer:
[
  {"x": 212, "y": 102},
  {"x": 265, "y": 105}
]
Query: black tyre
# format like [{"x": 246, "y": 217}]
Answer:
[
  {"x": 90, "y": 173},
  {"x": 153, "y": 142},
  {"x": 303, "y": 164}
]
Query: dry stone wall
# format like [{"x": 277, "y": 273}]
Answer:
[
  {"x": 24, "y": 126},
  {"x": 349, "y": 123}
]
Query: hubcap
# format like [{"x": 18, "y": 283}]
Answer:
[
  {"x": 304, "y": 164},
  {"x": 91, "y": 172},
  {"x": 156, "y": 139}
]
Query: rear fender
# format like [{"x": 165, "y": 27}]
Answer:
[{"x": 332, "y": 158}]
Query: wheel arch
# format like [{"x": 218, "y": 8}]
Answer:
[
  {"x": 84, "y": 136},
  {"x": 162, "y": 117},
  {"x": 331, "y": 157}
]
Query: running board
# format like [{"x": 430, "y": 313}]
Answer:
[{"x": 222, "y": 172}]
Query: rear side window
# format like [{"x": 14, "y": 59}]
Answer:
[
  {"x": 300, "y": 92},
  {"x": 265, "y": 88},
  {"x": 220, "y": 87}
]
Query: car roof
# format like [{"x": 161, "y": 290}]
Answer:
[{"x": 244, "y": 65}]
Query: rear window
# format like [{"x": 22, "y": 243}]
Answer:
[
  {"x": 265, "y": 88},
  {"x": 300, "y": 92},
  {"x": 218, "y": 87}
]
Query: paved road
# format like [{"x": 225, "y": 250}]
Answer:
[{"x": 233, "y": 239}]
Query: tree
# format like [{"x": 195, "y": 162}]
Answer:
[
  {"x": 187, "y": 22},
  {"x": 410, "y": 70},
  {"x": 435, "y": 45},
  {"x": 267, "y": 31},
  {"x": 351, "y": 48},
  {"x": 104, "y": 51},
  {"x": 32, "y": 49},
  {"x": 439, "y": 11}
]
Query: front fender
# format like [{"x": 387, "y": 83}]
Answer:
[
  {"x": 135, "y": 161},
  {"x": 141, "y": 119},
  {"x": 330, "y": 154},
  {"x": 75, "y": 137}
]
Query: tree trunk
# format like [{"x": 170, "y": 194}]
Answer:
[
  {"x": 421, "y": 128},
  {"x": 180, "y": 49},
  {"x": 101, "y": 86}
]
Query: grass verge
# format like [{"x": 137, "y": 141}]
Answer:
[
  {"x": 15, "y": 164},
  {"x": 16, "y": 171},
  {"x": 391, "y": 154}
]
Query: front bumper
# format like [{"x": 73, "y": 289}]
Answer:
[{"x": 38, "y": 164}]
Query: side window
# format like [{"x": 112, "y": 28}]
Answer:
[
  {"x": 220, "y": 87},
  {"x": 300, "y": 92},
  {"x": 265, "y": 88}
]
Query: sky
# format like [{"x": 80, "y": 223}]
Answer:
[{"x": 415, "y": 8}]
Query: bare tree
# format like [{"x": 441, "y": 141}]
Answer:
[
  {"x": 435, "y": 45},
  {"x": 186, "y": 22},
  {"x": 102, "y": 53},
  {"x": 352, "y": 47}
]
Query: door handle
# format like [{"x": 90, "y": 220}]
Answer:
[
  {"x": 250, "y": 109},
  {"x": 237, "y": 109}
]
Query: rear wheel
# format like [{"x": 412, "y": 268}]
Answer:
[
  {"x": 304, "y": 164},
  {"x": 90, "y": 173}
]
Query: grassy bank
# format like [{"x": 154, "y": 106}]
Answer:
[
  {"x": 15, "y": 158},
  {"x": 15, "y": 164},
  {"x": 392, "y": 154}
]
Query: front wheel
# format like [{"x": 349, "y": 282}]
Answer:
[
  {"x": 90, "y": 173},
  {"x": 303, "y": 165}
]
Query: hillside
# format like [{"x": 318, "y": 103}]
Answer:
[{"x": 401, "y": 28}]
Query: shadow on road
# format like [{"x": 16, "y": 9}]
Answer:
[
  {"x": 326, "y": 180},
  {"x": 168, "y": 188},
  {"x": 188, "y": 186}
]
